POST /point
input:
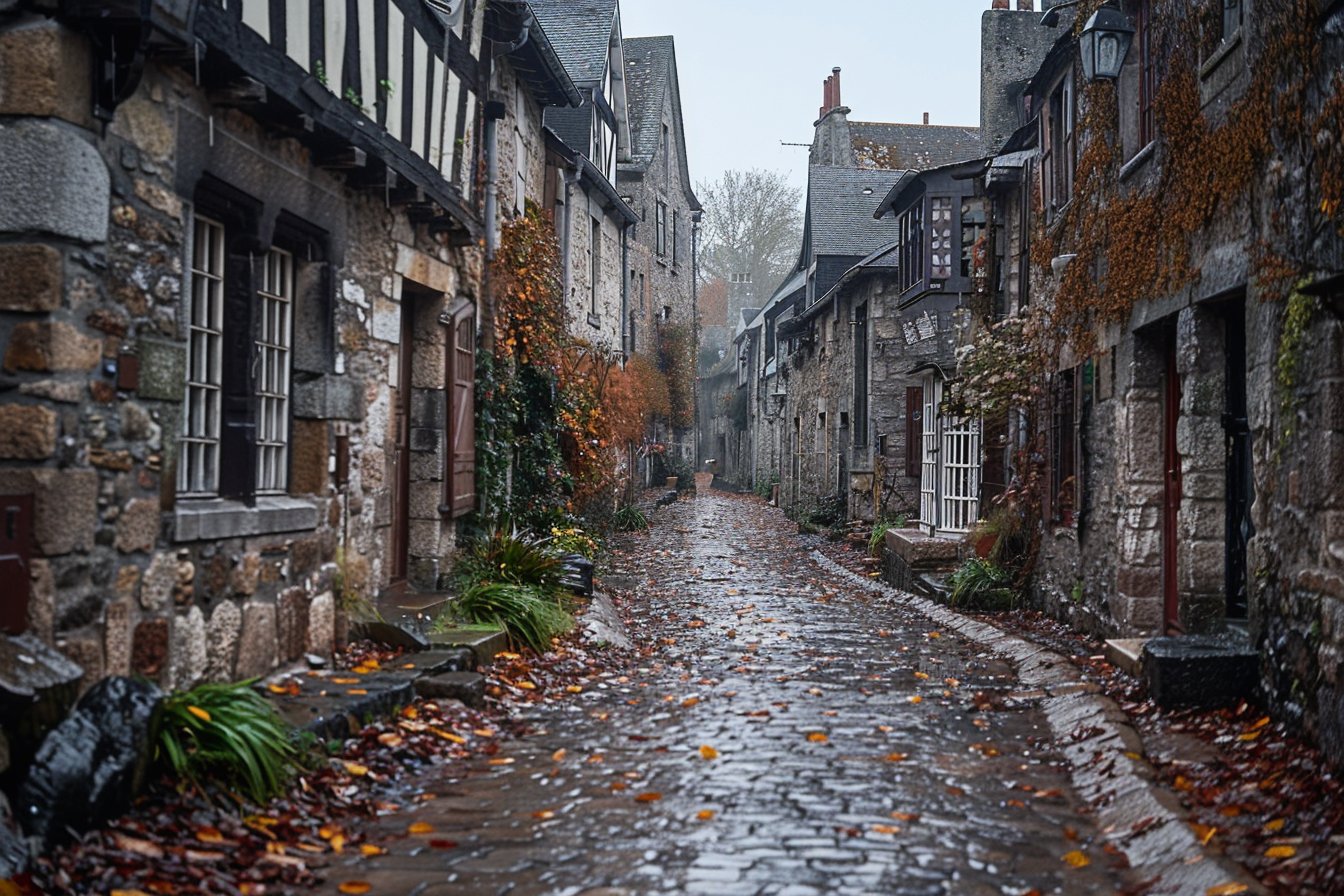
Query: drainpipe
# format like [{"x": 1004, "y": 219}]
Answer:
[
  {"x": 571, "y": 177},
  {"x": 695, "y": 330},
  {"x": 494, "y": 111},
  {"x": 625, "y": 293}
]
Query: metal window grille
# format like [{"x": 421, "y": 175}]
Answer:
[
  {"x": 960, "y": 462},
  {"x": 199, "y": 466},
  {"x": 274, "y": 344},
  {"x": 928, "y": 468}
]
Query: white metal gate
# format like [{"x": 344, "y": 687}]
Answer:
[{"x": 949, "y": 484}]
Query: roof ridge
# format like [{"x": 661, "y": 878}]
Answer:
[{"x": 916, "y": 124}]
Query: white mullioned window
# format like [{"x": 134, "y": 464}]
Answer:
[
  {"x": 198, "y": 466},
  {"x": 274, "y": 345},
  {"x": 960, "y": 459},
  {"x": 928, "y": 467}
]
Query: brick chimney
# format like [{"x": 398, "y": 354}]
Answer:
[
  {"x": 830, "y": 93},
  {"x": 926, "y": 118},
  {"x": 999, "y": 4},
  {"x": 1026, "y": 6}
]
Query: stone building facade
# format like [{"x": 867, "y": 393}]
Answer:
[
  {"x": 237, "y": 314},
  {"x": 1191, "y": 447}
]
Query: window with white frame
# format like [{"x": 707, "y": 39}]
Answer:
[
  {"x": 264, "y": 374},
  {"x": 274, "y": 344},
  {"x": 660, "y": 228},
  {"x": 949, "y": 487},
  {"x": 198, "y": 466}
]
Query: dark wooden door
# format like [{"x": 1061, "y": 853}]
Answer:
[
  {"x": 401, "y": 449},
  {"x": 1171, "y": 490},
  {"x": 1240, "y": 480},
  {"x": 16, "y": 545}
]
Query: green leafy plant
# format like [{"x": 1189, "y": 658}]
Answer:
[
  {"x": 530, "y": 618},
  {"x": 508, "y": 555},
  {"x": 766, "y": 487},
  {"x": 229, "y": 734},
  {"x": 981, "y": 585},
  {"x": 629, "y": 518},
  {"x": 573, "y": 540},
  {"x": 878, "y": 537}
]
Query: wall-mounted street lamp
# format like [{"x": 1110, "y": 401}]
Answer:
[{"x": 1103, "y": 43}]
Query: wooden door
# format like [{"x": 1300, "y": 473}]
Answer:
[
  {"x": 399, "y": 542},
  {"x": 16, "y": 539},
  {"x": 1171, "y": 489}
]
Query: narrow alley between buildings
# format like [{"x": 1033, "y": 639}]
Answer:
[{"x": 786, "y": 732}]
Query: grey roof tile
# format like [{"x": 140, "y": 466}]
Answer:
[
  {"x": 647, "y": 76},
  {"x": 897, "y": 147},
  {"x": 580, "y": 31},
  {"x": 840, "y": 206}
]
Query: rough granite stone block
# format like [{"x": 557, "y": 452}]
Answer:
[{"x": 52, "y": 180}]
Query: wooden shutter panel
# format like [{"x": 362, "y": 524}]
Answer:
[
  {"x": 914, "y": 430},
  {"x": 462, "y": 416}
]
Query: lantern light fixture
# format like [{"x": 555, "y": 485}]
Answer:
[{"x": 1104, "y": 43}]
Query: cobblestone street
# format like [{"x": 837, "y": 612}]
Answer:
[{"x": 782, "y": 735}]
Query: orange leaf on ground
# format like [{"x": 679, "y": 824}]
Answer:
[
  {"x": 708, "y": 752},
  {"x": 1229, "y": 889},
  {"x": 897, "y": 757},
  {"x": 915, "y": 698},
  {"x": 817, "y": 737},
  {"x": 886, "y": 829},
  {"x": 369, "y": 849},
  {"x": 420, "y": 827},
  {"x": 356, "y": 769},
  {"x": 705, "y": 814},
  {"x": 690, "y": 701},
  {"x": 1077, "y": 858},
  {"x": 355, "y": 887},
  {"x": 558, "y": 755},
  {"x": 1283, "y": 851},
  {"x": 905, "y": 816},
  {"x": 651, "y": 796}
]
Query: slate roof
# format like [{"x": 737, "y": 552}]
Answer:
[
  {"x": 897, "y": 147},
  {"x": 580, "y": 31},
  {"x": 573, "y": 126},
  {"x": 647, "y": 75},
  {"x": 840, "y": 206}
]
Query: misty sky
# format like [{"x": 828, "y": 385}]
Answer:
[{"x": 751, "y": 71}]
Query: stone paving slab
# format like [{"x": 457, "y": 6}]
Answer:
[
  {"x": 848, "y": 755},
  {"x": 1105, "y": 756}
]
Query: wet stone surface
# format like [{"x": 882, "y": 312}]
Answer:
[{"x": 781, "y": 734}]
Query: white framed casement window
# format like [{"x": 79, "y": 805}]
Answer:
[
  {"x": 960, "y": 462},
  {"x": 275, "y": 304},
  {"x": 198, "y": 466},
  {"x": 928, "y": 467}
]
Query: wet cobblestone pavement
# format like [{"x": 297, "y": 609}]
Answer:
[{"x": 783, "y": 734}]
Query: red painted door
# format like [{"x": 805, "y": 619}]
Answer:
[{"x": 1171, "y": 490}]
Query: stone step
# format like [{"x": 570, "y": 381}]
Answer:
[
  {"x": 1126, "y": 654},
  {"x": 485, "y": 644},
  {"x": 468, "y": 687},
  {"x": 1201, "y": 670}
]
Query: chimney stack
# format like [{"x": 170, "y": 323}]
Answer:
[
  {"x": 926, "y": 118},
  {"x": 830, "y": 93},
  {"x": 999, "y": 4},
  {"x": 1026, "y": 6}
]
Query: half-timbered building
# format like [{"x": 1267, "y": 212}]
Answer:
[{"x": 239, "y": 273}]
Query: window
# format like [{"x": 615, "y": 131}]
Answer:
[
  {"x": 940, "y": 237},
  {"x": 1059, "y": 146},
  {"x": 910, "y": 233},
  {"x": 249, "y": 371},
  {"x": 274, "y": 344},
  {"x": 198, "y": 468},
  {"x": 595, "y": 264},
  {"x": 1143, "y": 41},
  {"x": 520, "y": 141},
  {"x": 660, "y": 228},
  {"x": 667, "y": 153},
  {"x": 1064, "y": 448},
  {"x": 972, "y": 229}
]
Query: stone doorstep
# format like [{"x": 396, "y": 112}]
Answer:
[
  {"x": 1126, "y": 654},
  {"x": 334, "y": 710},
  {"x": 485, "y": 644},
  {"x": 923, "y": 552}
]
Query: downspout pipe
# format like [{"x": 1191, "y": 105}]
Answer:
[
  {"x": 570, "y": 176},
  {"x": 494, "y": 111},
  {"x": 625, "y": 294}
]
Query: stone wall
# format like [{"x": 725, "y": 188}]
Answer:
[{"x": 129, "y": 576}]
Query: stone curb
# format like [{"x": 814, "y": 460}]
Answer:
[{"x": 1104, "y": 751}]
